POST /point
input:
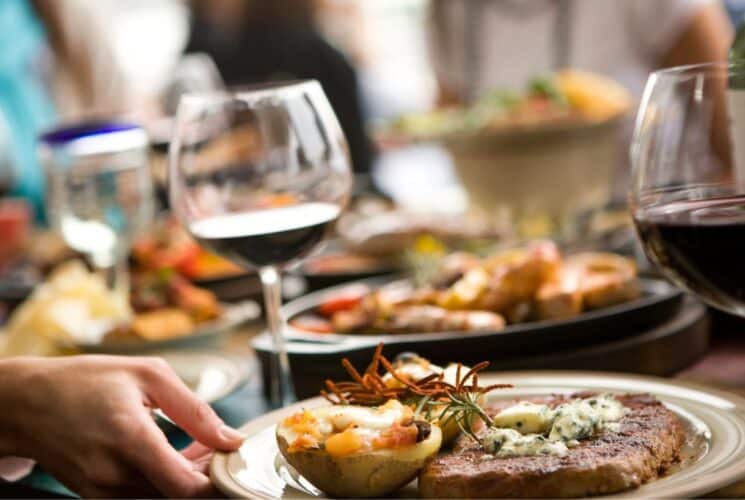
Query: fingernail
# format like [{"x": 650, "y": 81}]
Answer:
[{"x": 231, "y": 434}]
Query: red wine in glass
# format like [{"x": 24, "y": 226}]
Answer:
[
  {"x": 272, "y": 236},
  {"x": 699, "y": 244}
]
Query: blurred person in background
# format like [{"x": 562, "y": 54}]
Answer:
[
  {"x": 50, "y": 69},
  {"x": 485, "y": 44},
  {"x": 256, "y": 41}
]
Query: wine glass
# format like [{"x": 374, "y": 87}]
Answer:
[
  {"x": 99, "y": 191},
  {"x": 259, "y": 175},
  {"x": 688, "y": 184}
]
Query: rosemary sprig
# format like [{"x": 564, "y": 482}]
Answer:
[{"x": 461, "y": 407}]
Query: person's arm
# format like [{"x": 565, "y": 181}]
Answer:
[
  {"x": 707, "y": 39},
  {"x": 87, "y": 421}
]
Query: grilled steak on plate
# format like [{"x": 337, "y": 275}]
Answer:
[{"x": 646, "y": 445}]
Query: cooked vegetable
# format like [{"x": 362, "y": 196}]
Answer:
[
  {"x": 339, "y": 302},
  {"x": 357, "y": 451}
]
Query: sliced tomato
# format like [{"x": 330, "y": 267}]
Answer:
[
  {"x": 312, "y": 324},
  {"x": 339, "y": 303},
  {"x": 343, "y": 300}
]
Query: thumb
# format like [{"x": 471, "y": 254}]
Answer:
[{"x": 166, "y": 390}]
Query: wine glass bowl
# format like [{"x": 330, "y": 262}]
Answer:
[
  {"x": 688, "y": 184},
  {"x": 259, "y": 175}
]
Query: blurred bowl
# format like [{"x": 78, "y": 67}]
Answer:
[{"x": 555, "y": 169}]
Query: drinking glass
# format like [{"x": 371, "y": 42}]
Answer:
[
  {"x": 259, "y": 175},
  {"x": 99, "y": 191},
  {"x": 688, "y": 193}
]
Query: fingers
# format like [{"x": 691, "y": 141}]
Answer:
[
  {"x": 202, "y": 464},
  {"x": 175, "y": 399},
  {"x": 195, "y": 450},
  {"x": 164, "y": 467},
  {"x": 199, "y": 455}
]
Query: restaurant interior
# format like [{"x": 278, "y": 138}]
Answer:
[{"x": 372, "y": 248}]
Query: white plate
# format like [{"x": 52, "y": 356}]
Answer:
[
  {"x": 211, "y": 375},
  {"x": 714, "y": 456}
]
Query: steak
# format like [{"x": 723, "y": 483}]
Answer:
[{"x": 646, "y": 445}]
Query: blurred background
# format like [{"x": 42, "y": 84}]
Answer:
[
  {"x": 472, "y": 125},
  {"x": 494, "y": 121},
  {"x": 473, "y": 128}
]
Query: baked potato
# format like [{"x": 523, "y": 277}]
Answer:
[{"x": 357, "y": 451}]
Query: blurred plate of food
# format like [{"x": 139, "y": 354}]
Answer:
[
  {"x": 168, "y": 329},
  {"x": 390, "y": 233},
  {"x": 377, "y": 228},
  {"x": 562, "y": 100},
  {"x": 530, "y": 297},
  {"x": 170, "y": 246},
  {"x": 539, "y": 155},
  {"x": 74, "y": 310}
]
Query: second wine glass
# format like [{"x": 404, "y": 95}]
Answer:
[{"x": 259, "y": 175}]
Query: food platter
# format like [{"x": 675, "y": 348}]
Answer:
[
  {"x": 233, "y": 315},
  {"x": 713, "y": 456},
  {"x": 659, "y": 301}
]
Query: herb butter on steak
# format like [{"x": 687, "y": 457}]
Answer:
[{"x": 644, "y": 445}]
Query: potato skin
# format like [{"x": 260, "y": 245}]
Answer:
[{"x": 372, "y": 474}]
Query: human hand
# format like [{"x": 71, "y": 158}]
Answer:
[{"x": 86, "y": 420}]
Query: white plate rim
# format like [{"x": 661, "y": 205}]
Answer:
[{"x": 732, "y": 473}]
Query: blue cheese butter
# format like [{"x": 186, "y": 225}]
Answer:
[{"x": 528, "y": 429}]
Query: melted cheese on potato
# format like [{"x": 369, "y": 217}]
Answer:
[
  {"x": 345, "y": 430},
  {"x": 383, "y": 417}
]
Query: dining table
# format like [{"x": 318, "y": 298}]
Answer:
[{"x": 722, "y": 367}]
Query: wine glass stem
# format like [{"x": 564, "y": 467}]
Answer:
[
  {"x": 281, "y": 391},
  {"x": 115, "y": 271}
]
